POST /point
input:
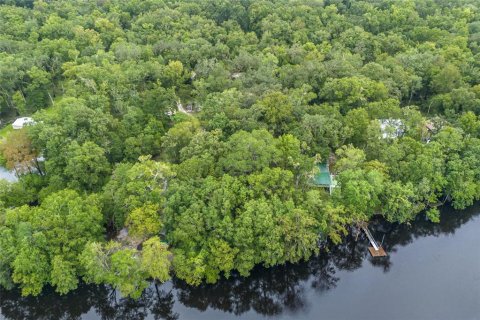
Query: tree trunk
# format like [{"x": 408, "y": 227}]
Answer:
[{"x": 37, "y": 165}]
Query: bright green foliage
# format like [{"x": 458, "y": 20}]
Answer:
[
  {"x": 433, "y": 214},
  {"x": 470, "y": 123},
  {"x": 178, "y": 137},
  {"x": 350, "y": 158},
  {"x": 322, "y": 133},
  {"x": 221, "y": 256},
  {"x": 7, "y": 252},
  {"x": 331, "y": 219},
  {"x": 301, "y": 235},
  {"x": 248, "y": 152},
  {"x": 120, "y": 267},
  {"x": 125, "y": 273},
  {"x": 223, "y": 111},
  {"x": 126, "y": 268},
  {"x": 41, "y": 245},
  {"x": 133, "y": 186},
  {"x": 64, "y": 275},
  {"x": 219, "y": 225},
  {"x": 95, "y": 261},
  {"x": 25, "y": 191},
  {"x": 354, "y": 92},
  {"x": 271, "y": 89},
  {"x": 399, "y": 203},
  {"x": 360, "y": 192},
  {"x": 30, "y": 269},
  {"x": 144, "y": 221},
  {"x": 291, "y": 156},
  {"x": 358, "y": 121},
  {"x": 156, "y": 259},
  {"x": 87, "y": 167},
  {"x": 190, "y": 268},
  {"x": 276, "y": 111}
]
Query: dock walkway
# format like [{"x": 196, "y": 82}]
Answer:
[{"x": 376, "y": 250}]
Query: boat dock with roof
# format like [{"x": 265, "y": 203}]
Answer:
[{"x": 323, "y": 177}]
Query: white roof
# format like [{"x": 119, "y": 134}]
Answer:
[{"x": 19, "y": 123}]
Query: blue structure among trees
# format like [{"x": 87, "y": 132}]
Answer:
[{"x": 323, "y": 178}]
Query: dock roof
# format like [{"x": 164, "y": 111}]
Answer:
[{"x": 322, "y": 177}]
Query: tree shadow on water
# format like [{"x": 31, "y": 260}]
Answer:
[
  {"x": 100, "y": 300},
  {"x": 267, "y": 292}
]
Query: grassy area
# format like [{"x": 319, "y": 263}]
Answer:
[
  {"x": 3, "y": 134},
  {"x": 5, "y": 131},
  {"x": 49, "y": 110}
]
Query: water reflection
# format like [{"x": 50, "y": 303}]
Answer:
[
  {"x": 105, "y": 303},
  {"x": 267, "y": 292},
  {"x": 7, "y": 175}
]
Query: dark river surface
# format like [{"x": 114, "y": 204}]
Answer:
[{"x": 432, "y": 272}]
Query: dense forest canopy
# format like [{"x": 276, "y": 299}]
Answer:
[{"x": 133, "y": 187}]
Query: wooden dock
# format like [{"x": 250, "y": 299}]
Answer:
[
  {"x": 375, "y": 250},
  {"x": 377, "y": 253}
]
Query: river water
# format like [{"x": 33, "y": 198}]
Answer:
[
  {"x": 432, "y": 272},
  {"x": 7, "y": 175}
]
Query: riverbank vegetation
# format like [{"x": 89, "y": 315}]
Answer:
[{"x": 133, "y": 187}]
